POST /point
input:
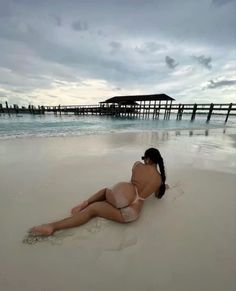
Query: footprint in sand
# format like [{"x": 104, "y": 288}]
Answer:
[
  {"x": 96, "y": 225},
  {"x": 92, "y": 227},
  {"x": 177, "y": 189},
  {"x": 126, "y": 241},
  {"x": 56, "y": 239}
]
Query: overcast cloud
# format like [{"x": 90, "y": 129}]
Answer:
[
  {"x": 81, "y": 52},
  {"x": 216, "y": 84},
  {"x": 171, "y": 63},
  {"x": 204, "y": 61}
]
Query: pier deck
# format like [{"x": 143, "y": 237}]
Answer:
[{"x": 146, "y": 110}]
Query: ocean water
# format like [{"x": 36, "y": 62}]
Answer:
[{"x": 26, "y": 125}]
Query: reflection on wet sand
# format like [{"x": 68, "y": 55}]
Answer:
[{"x": 165, "y": 135}]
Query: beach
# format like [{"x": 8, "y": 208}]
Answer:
[{"x": 185, "y": 241}]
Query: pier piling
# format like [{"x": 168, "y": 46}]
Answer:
[
  {"x": 143, "y": 109},
  {"x": 210, "y": 112},
  {"x": 194, "y": 112},
  {"x": 229, "y": 109}
]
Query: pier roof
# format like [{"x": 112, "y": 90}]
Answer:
[{"x": 133, "y": 98}]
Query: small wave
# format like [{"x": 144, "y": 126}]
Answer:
[{"x": 50, "y": 126}]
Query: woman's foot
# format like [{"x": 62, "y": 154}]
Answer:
[
  {"x": 79, "y": 207},
  {"x": 44, "y": 229}
]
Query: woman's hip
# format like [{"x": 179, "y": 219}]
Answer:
[
  {"x": 130, "y": 213},
  {"x": 121, "y": 194}
]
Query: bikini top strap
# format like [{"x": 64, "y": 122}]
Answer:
[
  {"x": 137, "y": 195},
  {"x": 137, "y": 198},
  {"x": 141, "y": 198}
]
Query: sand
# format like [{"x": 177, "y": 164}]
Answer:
[{"x": 185, "y": 241}]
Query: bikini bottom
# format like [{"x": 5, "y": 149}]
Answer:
[{"x": 130, "y": 213}]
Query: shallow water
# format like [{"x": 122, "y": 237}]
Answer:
[{"x": 16, "y": 125}]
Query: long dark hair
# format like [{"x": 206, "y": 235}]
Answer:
[{"x": 154, "y": 155}]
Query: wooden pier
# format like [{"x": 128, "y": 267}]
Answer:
[{"x": 143, "y": 109}]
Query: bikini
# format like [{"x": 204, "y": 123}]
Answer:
[
  {"x": 137, "y": 196},
  {"x": 130, "y": 213}
]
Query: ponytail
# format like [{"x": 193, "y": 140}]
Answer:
[{"x": 163, "y": 177}]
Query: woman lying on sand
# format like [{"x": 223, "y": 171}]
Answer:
[{"x": 123, "y": 202}]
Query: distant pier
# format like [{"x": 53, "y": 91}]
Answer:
[{"x": 127, "y": 106}]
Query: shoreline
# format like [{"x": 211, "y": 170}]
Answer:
[{"x": 191, "y": 131}]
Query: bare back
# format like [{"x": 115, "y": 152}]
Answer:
[{"x": 146, "y": 178}]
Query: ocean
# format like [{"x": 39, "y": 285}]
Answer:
[{"x": 50, "y": 125}]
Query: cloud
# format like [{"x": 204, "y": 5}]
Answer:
[
  {"x": 150, "y": 47},
  {"x": 184, "y": 71},
  {"x": 204, "y": 61},
  {"x": 79, "y": 25},
  {"x": 221, "y": 2},
  {"x": 42, "y": 45},
  {"x": 170, "y": 62},
  {"x": 115, "y": 46},
  {"x": 58, "y": 20},
  {"x": 216, "y": 84}
]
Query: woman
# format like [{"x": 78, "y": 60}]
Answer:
[{"x": 123, "y": 202}]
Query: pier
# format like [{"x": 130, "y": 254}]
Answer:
[{"x": 154, "y": 106}]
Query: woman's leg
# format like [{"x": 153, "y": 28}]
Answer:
[
  {"x": 98, "y": 196},
  {"x": 101, "y": 209}
]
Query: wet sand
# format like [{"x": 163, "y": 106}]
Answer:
[{"x": 185, "y": 241}]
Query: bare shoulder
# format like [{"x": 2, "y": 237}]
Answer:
[{"x": 136, "y": 164}]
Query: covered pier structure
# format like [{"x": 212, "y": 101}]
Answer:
[{"x": 138, "y": 105}]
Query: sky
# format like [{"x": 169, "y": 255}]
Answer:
[{"x": 83, "y": 52}]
